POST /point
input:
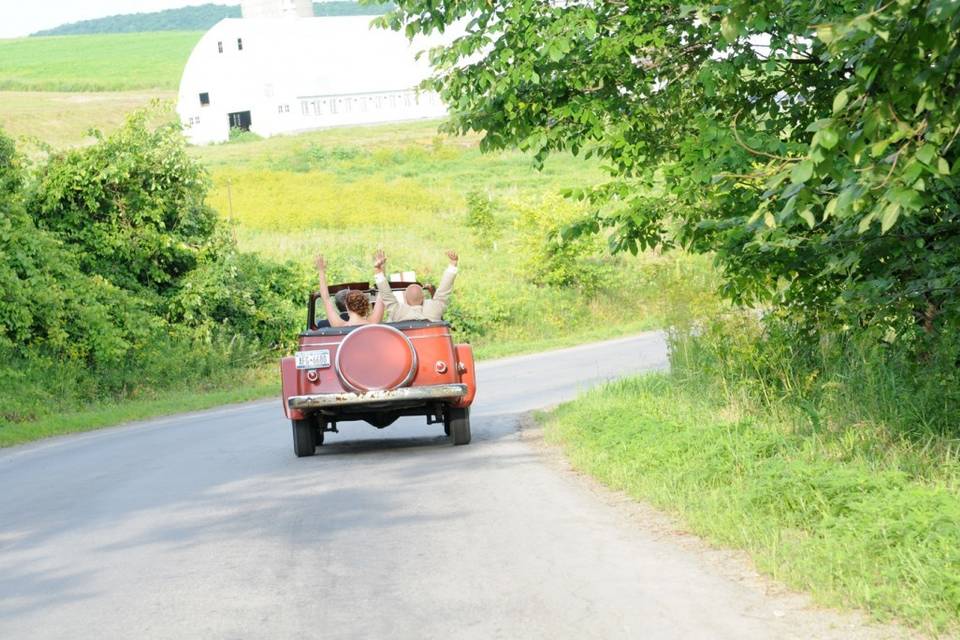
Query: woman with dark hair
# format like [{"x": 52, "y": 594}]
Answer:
[{"x": 359, "y": 309}]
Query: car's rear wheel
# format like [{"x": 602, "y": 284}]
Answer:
[
  {"x": 304, "y": 437},
  {"x": 457, "y": 425}
]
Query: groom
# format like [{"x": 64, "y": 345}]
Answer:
[{"x": 412, "y": 306}]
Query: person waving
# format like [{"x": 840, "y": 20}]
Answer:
[
  {"x": 359, "y": 310},
  {"x": 411, "y": 305}
]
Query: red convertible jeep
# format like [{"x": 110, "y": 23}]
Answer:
[{"x": 376, "y": 373}]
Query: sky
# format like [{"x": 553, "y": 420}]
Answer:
[{"x": 23, "y": 17}]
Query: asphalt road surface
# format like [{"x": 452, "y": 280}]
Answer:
[{"x": 206, "y": 526}]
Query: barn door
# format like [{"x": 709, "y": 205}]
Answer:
[{"x": 239, "y": 120}]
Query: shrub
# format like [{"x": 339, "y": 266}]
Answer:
[
  {"x": 854, "y": 377},
  {"x": 480, "y": 218},
  {"x": 118, "y": 280},
  {"x": 131, "y": 206},
  {"x": 241, "y": 294},
  {"x": 551, "y": 259},
  {"x": 48, "y": 303}
]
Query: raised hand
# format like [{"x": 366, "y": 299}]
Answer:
[
  {"x": 454, "y": 258},
  {"x": 379, "y": 260},
  {"x": 321, "y": 264}
]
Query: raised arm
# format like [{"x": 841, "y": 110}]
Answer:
[
  {"x": 446, "y": 282},
  {"x": 385, "y": 295},
  {"x": 376, "y": 316},
  {"x": 333, "y": 317}
]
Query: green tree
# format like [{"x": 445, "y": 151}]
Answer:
[
  {"x": 47, "y": 305},
  {"x": 131, "y": 205},
  {"x": 812, "y": 146}
]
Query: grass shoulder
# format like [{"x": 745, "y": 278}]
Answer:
[
  {"x": 854, "y": 530},
  {"x": 248, "y": 385}
]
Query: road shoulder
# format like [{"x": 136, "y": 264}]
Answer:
[{"x": 783, "y": 605}]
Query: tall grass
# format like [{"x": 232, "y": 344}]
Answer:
[
  {"x": 878, "y": 397},
  {"x": 107, "y": 62}
]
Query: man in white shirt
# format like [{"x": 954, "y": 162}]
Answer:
[{"x": 412, "y": 306}]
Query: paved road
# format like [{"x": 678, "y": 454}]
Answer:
[{"x": 206, "y": 526}]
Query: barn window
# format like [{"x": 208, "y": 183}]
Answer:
[
  {"x": 204, "y": 99},
  {"x": 220, "y": 46},
  {"x": 239, "y": 44},
  {"x": 279, "y": 108},
  {"x": 286, "y": 108}
]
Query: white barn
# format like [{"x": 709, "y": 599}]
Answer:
[{"x": 282, "y": 73}]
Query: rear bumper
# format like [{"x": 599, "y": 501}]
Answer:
[{"x": 405, "y": 394}]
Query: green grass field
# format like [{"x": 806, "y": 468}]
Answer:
[
  {"x": 110, "y": 62},
  {"x": 346, "y": 192},
  {"x": 63, "y": 119}
]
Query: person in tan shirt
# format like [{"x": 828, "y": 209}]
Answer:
[{"x": 411, "y": 305}]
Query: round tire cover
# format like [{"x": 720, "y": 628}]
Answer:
[{"x": 375, "y": 357}]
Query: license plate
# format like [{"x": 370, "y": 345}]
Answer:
[{"x": 318, "y": 359}]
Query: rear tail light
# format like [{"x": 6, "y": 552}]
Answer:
[
  {"x": 312, "y": 375},
  {"x": 441, "y": 366}
]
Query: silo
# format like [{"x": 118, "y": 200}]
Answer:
[{"x": 276, "y": 8}]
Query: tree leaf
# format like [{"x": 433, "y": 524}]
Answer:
[
  {"x": 731, "y": 28},
  {"x": 826, "y": 33},
  {"x": 926, "y": 153},
  {"x": 802, "y": 172},
  {"x": 840, "y": 101},
  {"x": 807, "y": 216},
  {"x": 828, "y": 138},
  {"x": 889, "y": 218}
]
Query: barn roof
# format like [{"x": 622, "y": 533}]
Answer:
[{"x": 316, "y": 56}]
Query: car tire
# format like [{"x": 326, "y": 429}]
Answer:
[
  {"x": 457, "y": 424},
  {"x": 304, "y": 438}
]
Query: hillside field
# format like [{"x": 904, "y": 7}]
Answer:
[
  {"x": 345, "y": 192},
  {"x": 63, "y": 119},
  {"x": 108, "y": 62}
]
